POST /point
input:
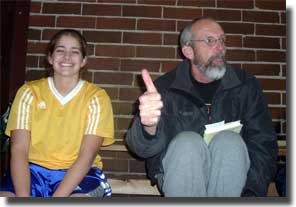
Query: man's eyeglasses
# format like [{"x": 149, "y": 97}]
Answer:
[{"x": 211, "y": 41}]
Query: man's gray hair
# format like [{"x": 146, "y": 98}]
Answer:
[{"x": 187, "y": 34}]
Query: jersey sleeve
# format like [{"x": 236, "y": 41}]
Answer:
[
  {"x": 20, "y": 116},
  {"x": 100, "y": 118}
]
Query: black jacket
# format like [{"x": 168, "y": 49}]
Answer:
[{"x": 239, "y": 97}]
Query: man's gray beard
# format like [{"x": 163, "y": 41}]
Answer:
[{"x": 213, "y": 72}]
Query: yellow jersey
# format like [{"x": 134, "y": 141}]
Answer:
[{"x": 58, "y": 123}]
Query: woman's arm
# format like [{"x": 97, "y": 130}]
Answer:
[
  {"x": 88, "y": 151},
  {"x": 19, "y": 163}
]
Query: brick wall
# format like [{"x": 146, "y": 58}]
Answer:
[{"x": 127, "y": 35}]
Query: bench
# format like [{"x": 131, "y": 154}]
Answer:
[{"x": 143, "y": 187}]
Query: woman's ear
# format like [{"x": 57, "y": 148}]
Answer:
[
  {"x": 188, "y": 52},
  {"x": 84, "y": 61},
  {"x": 49, "y": 59}
]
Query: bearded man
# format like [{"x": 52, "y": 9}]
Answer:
[{"x": 203, "y": 89}]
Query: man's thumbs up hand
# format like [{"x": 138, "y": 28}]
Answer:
[{"x": 150, "y": 105}]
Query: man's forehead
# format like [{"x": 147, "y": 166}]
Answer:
[{"x": 207, "y": 26}]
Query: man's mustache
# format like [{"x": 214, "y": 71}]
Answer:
[{"x": 219, "y": 55}]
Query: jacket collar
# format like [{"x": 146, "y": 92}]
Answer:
[{"x": 183, "y": 82}]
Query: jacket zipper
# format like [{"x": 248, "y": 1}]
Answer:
[{"x": 209, "y": 107}]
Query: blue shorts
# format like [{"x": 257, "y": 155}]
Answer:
[{"x": 45, "y": 181}]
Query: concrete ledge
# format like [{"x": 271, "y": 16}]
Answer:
[
  {"x": 133, "y": 186},
  {"x": 143, "y": 187}
]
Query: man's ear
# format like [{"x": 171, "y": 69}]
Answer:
[{"x": 188, "y": 52}]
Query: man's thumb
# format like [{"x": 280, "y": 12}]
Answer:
[{"x": 148, "y": 81}]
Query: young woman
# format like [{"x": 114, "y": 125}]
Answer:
[{"x": 57, "y": 125}]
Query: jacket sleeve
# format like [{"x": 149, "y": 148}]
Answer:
[
  {"x": 261, "y": 141},
  {"x": 143, "y": 144}
]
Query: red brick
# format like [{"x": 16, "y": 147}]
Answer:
[
  {"x": 125, "y": 155},
  {"x": 41, "y": 21},
  {"x": 240, "y": 55},
  {"x": 278, "y": 113},
  {"x": 43, "y": 63},
  {"x": 141, "y": 11},
  {"x": 223, "y": 15},
  {"x": 35, "y": 7},
  {"x": 47, "y": 34},
  {"x": 283, "y": 42},
  {"x": 103, "y": 63},
  {"x": 236, "y": 65},
  {"x": 113, "y": 78},
  {"x": 115, "y": 51},
  {"x": 181, "y": 24},
  {"x": 284, "y": 98},
  {"x": 157, "y": 2},
  {"x": 32, "y": 61},
  {"x": 271, "y": 56},
  {"x": 116, "y": 23},
  {"x": 284, "y": 130},
  {"x": 101, "y": 10},
  {"x": 272, "y": 30},
  {"x": 137, "y": 166},
  {"x": 263, "y": 69},
  {"x": 120, "y": 135},
  {"x": 273, "y": 98},
  {"x": 90, "y": 50},
  {"x": 112, "y": 92},
  {"x": 76, "y": 22},
  {"x": 80, "y": 0},
  {"x": 181, "y": 13},
  {"x": 102, "y": 36},
  {"x": 118, "y": 1},
  {"x": 271, "y": 5},
  {"x": 37, "y": 47},
  {"x": 86, "y": 75},
  {"x": 256, "y": 16},
  {"x": 129, "y": 94},
  {"x": 196, "y": 3},
  {"x": 140, "y": 83},
  {"x": 107, "y": 154},
  {"x": 170, "y": 39},
  {"x": 284, "y": 71},
  {"x": 115, "y": 165},
  {"x": 35, "y": 74},
  {"x": 273, "y": 84},
  {"x": 156, "y": 25},
  {"x": 123, "y": 123},
  {"x": 234, "y": 41},
  {"x": 238, "y": 28},
  {"x": 34, "y": 34},
  {"x": 261, "y": 42},
  {"x": 123, "y": 108},
  {"x": 137, "y": 65},
  {"x": 167, "y": 66},
  {"x": 155, "y": 52},
  {"x": 283, "y": 17},
  {"x": 142, "y": 38},
  {"x": 61, "y": 8},
  {"x": 241, "y": 4}
]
